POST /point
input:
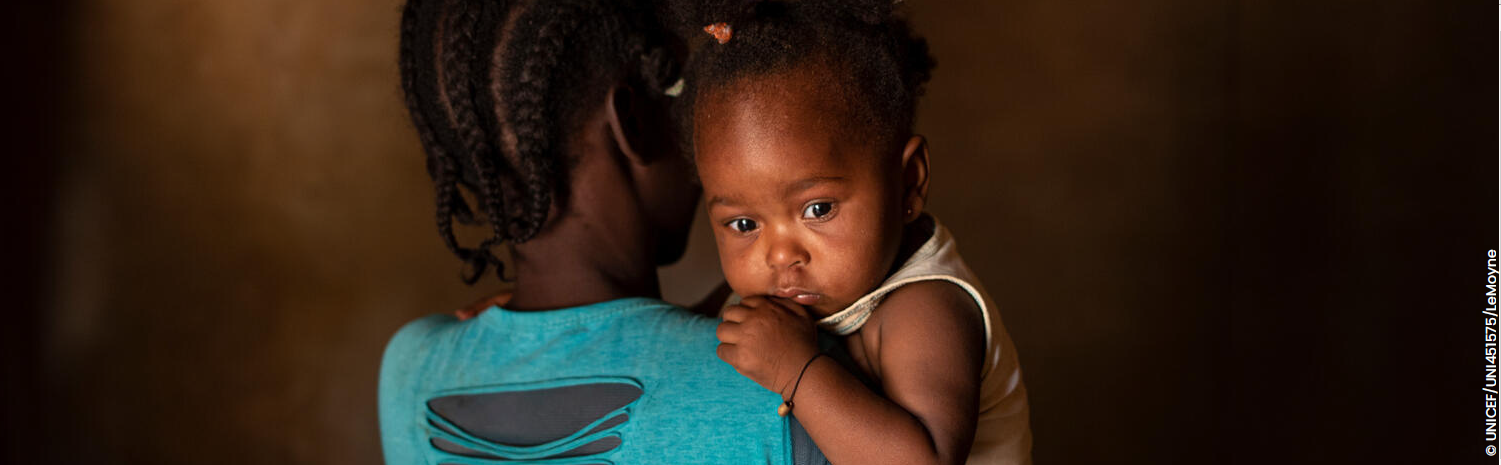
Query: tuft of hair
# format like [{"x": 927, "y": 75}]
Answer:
[
  {"x": 870, "y": 50},
  {"x": 494, "y": 87}
]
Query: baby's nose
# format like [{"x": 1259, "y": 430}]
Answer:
[{"x": 786, "y": 253}]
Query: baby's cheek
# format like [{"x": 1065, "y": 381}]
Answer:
[
  {"x": 738, "y": 272},
  {"x": 859, "y": 268}
]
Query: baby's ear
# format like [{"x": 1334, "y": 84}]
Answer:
[{"x": 914, "y": 178}]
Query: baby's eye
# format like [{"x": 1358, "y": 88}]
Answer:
[
  {"x": 817, "y": 210},
  {"x": 743, "y": 225}
]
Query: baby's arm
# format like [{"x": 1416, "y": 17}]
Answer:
[{"x": 931, "y": 344}]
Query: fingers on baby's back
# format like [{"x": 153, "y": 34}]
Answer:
[
  {"x": 735, "y": 313},
  {"x": 726, "y": 352}
]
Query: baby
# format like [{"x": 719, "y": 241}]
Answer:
[{"x": 802, "y": 131}]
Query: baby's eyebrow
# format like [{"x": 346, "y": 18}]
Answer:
[
  {"x": 788, "y": 191},
  {"x": 808, "y": 183},
  {"x": 721, "y": 200}
]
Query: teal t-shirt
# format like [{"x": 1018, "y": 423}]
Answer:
[{"x": 655, "y": 391}]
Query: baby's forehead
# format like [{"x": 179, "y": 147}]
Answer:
[
  {"x": 750, "y": 158},
  {"x": 804, "y": 101},
  {"x": 766, "y": 130},
  {"x": 821, "y": 74}
]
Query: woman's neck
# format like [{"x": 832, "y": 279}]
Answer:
[
  {"x": 553, "y": 274},
  {"x": 598, "y": 248}
]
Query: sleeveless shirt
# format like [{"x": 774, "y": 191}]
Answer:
[{"x": 1003, "y": 434}]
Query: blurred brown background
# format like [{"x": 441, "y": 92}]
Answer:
[{"x": 1221, "y": 231}]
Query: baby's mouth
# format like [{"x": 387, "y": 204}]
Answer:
[{"x": 803, "y": 297}]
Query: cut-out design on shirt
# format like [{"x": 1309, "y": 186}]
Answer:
[{"x": 571, "y": 421}]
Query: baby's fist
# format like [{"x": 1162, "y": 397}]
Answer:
[{"x": 767, "y": 341}]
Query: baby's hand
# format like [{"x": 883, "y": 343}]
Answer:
[{"x": 767, "y": 341}]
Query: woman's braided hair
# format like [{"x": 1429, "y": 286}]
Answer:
[
  {"x": 494, "y": 88},
  {"x": 879, "y": 66}
]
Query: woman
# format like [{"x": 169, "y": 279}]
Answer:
[{"x": 555, "y": 118}]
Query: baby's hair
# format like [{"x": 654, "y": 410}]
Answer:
[
  {"x": 494, "y": 87},
  {"x": 878, "y": 64}
]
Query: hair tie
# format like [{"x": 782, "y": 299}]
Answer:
[
  {"x": 720, "y": 31},
  {"x": 675, "y": 90}
]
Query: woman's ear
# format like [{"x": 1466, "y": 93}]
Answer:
[
  {"x": 623, "y": 112},
  {"x": 914, "y": 178},
  {"x": 640, "y": 126}
]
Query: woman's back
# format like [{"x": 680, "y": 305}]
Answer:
[{"x": 626, "y": 381}]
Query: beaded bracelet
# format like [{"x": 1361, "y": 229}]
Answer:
[{"x": 786, "y": 406}]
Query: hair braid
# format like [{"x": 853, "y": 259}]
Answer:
[
  {"x": 527, "y": 101},
  {"x": 469, "y": 93},
  {"x": 465, "y": 47},
  {"x": 417, "y": 83}
]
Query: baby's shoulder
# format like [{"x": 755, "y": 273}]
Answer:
[
  {"x": 925, "y": 312},
  {"x": 922, "y": 301},
  {"x": 928, "y": 323}
]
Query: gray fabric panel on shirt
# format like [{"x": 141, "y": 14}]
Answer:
[
  {"x": 804, "y": 451},
  {"x": 449, "y": 447},
  {"x": 527, "y": 418},
  {"x": 601, "y": 445}
]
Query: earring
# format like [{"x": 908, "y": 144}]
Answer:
[{"x": 909, "y": 212}]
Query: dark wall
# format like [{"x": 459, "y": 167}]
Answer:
[
  {"x": 31, "y": 127},
  {"x": 1078, "y": 157},
  {"x": 1219, "y": 231},
  {"x": 1364, "y": 200}
]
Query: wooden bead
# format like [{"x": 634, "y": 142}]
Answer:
[{"x": 784, "y": 409}]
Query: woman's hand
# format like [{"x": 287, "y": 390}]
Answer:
[
  {"x": 767, "y": 340},
  {"x": 472, "y": 310}
]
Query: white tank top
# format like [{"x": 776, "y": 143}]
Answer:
[{"x": 1003, "y": 434}]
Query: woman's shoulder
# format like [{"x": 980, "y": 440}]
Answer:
[
  {"x": 404, "y": 357},
  {"x": 415, "y": 334},
  {"x": 409, "y": 348},
  {"x": 661, "y": 325}
]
